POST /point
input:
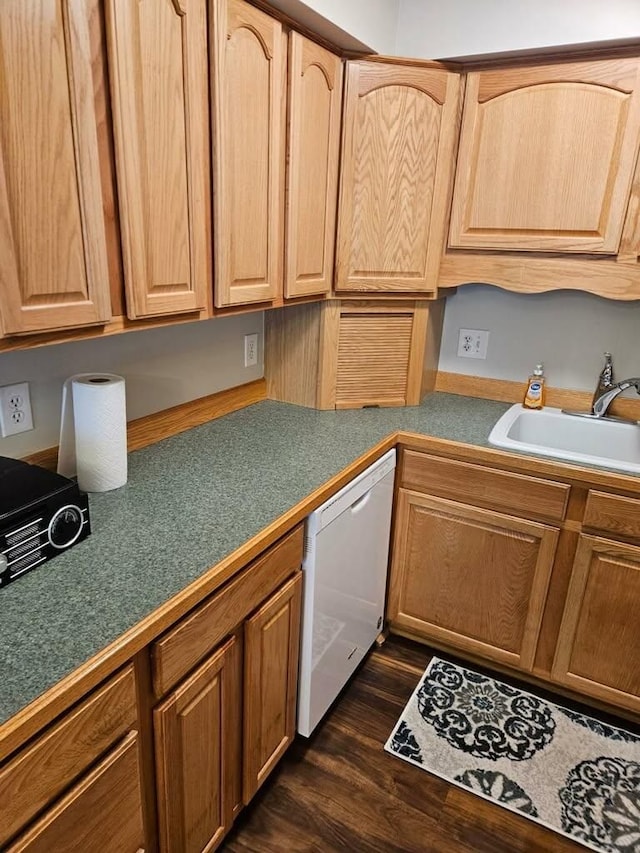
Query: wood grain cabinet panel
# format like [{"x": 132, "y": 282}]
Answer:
[
  {"x": 43, "y": 770},
  {"x": 613, "y": 515},
  {"x": 315, "y": 100},
  {"x": 384, "y": 352},
  {"x": 597, "y": 651},
  {"x": 103, "y": 812},
  {"x": 159, "y": 80},
  {"x": 399, "y": 135},
  {"x": 505, "y": 491},
  {"x": 197, "y": 731},
  {"x": 470, "y": 578},
  {"x": 249, "y": 78},
  {"x": 53, "y": 257},
  {"x": 271, "y": 644},
  {"x": 546, "y": 157}
]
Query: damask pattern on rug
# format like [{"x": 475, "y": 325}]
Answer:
[
  {"x": 484, "y": 717},
  {"x": 601, "y": 803},
  {"x": 570, "y": 772}
]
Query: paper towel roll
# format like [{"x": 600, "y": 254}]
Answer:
[{"x": 93, "y": 431}]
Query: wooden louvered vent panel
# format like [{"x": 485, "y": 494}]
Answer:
[{"x": 373, "y": 360}]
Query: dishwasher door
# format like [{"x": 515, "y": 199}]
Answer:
[{"x": 344, "y": 586}]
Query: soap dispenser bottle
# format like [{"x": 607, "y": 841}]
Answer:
[{"x": 534, "y": 394}]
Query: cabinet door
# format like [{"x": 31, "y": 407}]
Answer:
[
  {"x": 597, "y": 651},
  {"x": 249, "y": 77},
  {"x": 315, "y": 99},
  {"x": 546, "y": 157},
  {"x": 380, "y": 354},
  {"x": 103, "y": 811},
  {"x": 158, "y": 65},
  {"x": 53, "y": 258},
  {"x": 400, "y": 129},
  {"x": 272, "y": 639},
  {"x": 197, "y": 736},
  {"x": 471, "y": 578}
]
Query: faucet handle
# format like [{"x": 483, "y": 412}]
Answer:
[{"x": 606, "y": 376}]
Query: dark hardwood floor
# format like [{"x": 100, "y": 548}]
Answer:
[{"x": 340, "y": 791}]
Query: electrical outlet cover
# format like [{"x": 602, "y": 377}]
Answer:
[
  {"x": 251, "y": 350},
  {"x": 15, "y": 409},
  {"x": 473, "y": 343}
]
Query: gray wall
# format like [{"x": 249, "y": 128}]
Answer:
[
  {"x": 373, "y": 22},
  {"x": 434, "y": 30},
  {"x": 567, "y": 331},
  {"x": 162, "y": 367}
]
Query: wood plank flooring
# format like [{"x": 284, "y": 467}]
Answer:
[{"x": 339, "y": 791}]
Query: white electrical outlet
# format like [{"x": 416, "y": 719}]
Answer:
[
  {"x": 472, "y": 343},
  {"x": 251, "y": 350},
  {"x": 15, "y": 409}
]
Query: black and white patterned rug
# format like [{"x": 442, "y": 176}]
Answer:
[{"x": 567, "y": 771}]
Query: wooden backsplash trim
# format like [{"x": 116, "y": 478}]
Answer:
[
  {"x": 508, "y": 391},
  {"x": 151, "y": 428}
]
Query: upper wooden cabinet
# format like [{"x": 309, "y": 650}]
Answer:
[
  {"x": 249, "y": 78},
  {"x": 547, "y": 156},
  {"x": 400, "y": 130},
  {"x": 159, "y": 80},
  {"x": 53, "y": 258},
  {"x": 315, "y": 99}
]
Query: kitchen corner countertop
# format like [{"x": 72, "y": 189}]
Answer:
[{"x": 190, "y": 501}]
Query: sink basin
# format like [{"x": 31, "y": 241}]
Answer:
[{"x": 549, "y": 432}]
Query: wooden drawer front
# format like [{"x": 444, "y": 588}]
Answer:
[
  {"x": 42, "y": 770},
  {"x": 373, "y": 359},
  {"x": 612, "y": 514},
  {"x": 103, "y": 812},
  {"x": 515, "y": 494},
  {"x": 182, "y": 647}
]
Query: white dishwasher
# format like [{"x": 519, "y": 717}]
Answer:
[{"x": 344, "y": 585}]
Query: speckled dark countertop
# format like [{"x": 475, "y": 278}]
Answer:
[{"x": 190, "y": 501}]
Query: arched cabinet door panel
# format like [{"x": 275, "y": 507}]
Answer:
[
  {"x": 546, "y": 157},
  {"x": 315, "y": 99},
  {"x": 399, "y": 135},
  {"x": 159, "y": 77},
  {"x": 248, "y": 85},
  {"x": 53, "y": 256}
]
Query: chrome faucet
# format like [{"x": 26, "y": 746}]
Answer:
[
  {"x": 602, "y": 403},
  {"x": 607, "y": 390}
]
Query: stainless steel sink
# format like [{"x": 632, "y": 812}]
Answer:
[{"x": 551, "y": 432}]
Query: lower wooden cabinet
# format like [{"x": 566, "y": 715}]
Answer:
[
  {"x": 221, "y": 731},
  {"x": 197, "y": 747},
  {"x": 272, "y": 640},
  {"x": 103, "y": 811},
  {"x": 471, "y": 578},
  {"x": 477, "y": 576},
  {"x": 597, "y": 650}
]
